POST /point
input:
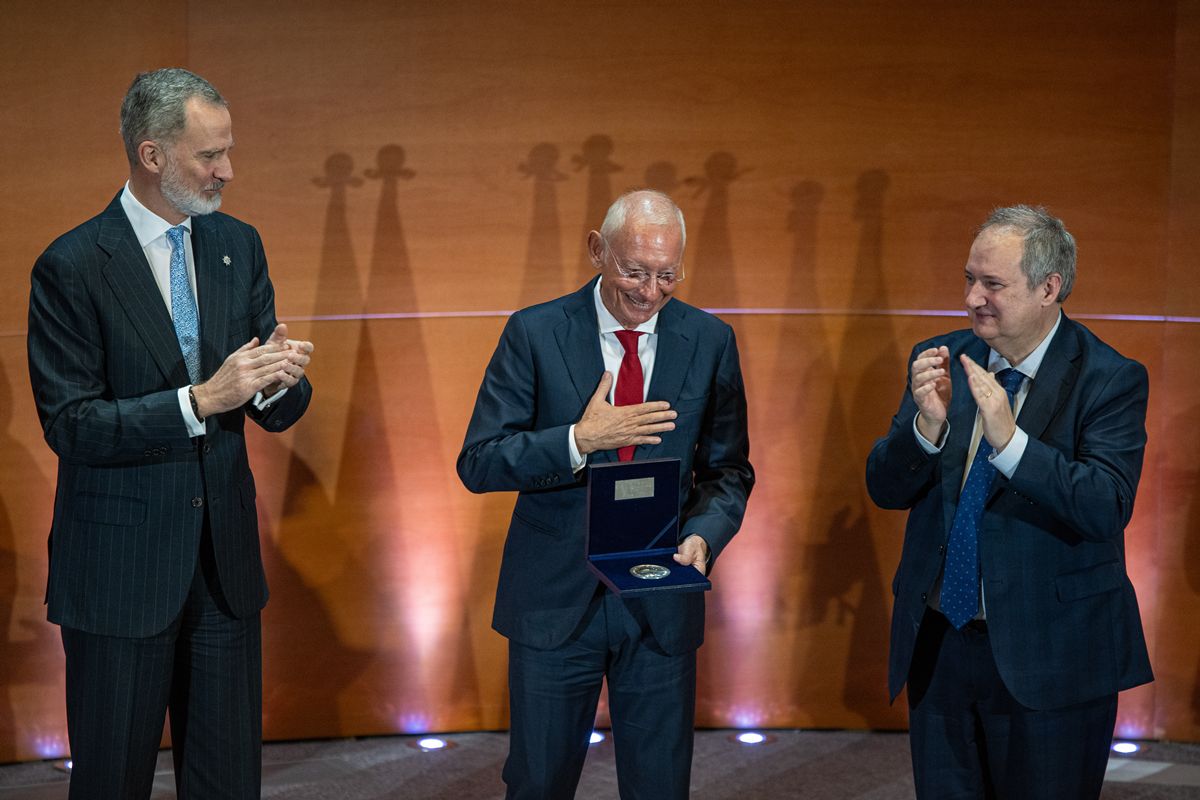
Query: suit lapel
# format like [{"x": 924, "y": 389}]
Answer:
[
  {"x": 129, "y": 276},
  {"x": 1049, "y": 391},
  {"x": 213, "y": 287},
  {"x": 1056, "y": 376},
  {"x": 962, "y": 426},
  {"x": 578, "y": 337},
  {"x": 676, "y": 348}
]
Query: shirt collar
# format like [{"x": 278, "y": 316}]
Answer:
[
  {"x": 147, "y": 225},
  {"x": 609, "y": 324},
  {"x": 1029, "y": 367}
]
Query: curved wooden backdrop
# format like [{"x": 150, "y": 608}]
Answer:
[{"x": 418, "y": 169}]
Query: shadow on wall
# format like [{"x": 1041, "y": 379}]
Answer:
[
  {"x": 309, "y": 557},
  {"x": 712, "y": 277},
  {"x": 354, "y": 576},
  {"x": 594, "y": 156},
  {"x": 844, "y": 589},
  {"x": 542, "y": 278},
  {"x": 32, "y": 653},
  {"x": 1191, "y": 548}
]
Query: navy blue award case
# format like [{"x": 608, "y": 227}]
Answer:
[{"x": 633, "y": 521}]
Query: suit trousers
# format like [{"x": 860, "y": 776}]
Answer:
[
  {"x": 972, "y": 739},
  {"x": 206, "y": 667},
  {"x": 553, "y": 696}
]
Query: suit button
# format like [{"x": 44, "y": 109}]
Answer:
[
  {"x": 197, "y": 502},
  {"x": 924, "y": 597},
  {"x": 941, "y": 549},
  {"x": 207, "y": 448}
]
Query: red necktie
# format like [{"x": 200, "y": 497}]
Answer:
[{"x": 629, "y": 381}]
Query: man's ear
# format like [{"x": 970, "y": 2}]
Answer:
[
  {"x": 1052, "y": 286},
  {"x": 595, "y": 247},
  {"x": 151, "y": 157}
]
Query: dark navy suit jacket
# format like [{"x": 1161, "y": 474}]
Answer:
[
  {"x": 545, "y": 369},
  {"x": 1061, "y": 612},
  {"x": 133, "y": 487}
]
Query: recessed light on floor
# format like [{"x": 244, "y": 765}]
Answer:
[{"x": 427, "y": 744}]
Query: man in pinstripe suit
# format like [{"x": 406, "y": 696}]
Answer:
[{"x": 152, "y": 336}]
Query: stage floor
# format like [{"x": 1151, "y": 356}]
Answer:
[{"x": 829, "y": 765}]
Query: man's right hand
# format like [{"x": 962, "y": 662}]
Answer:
[
  {"x": 607, "y": 427},
  {"x": 930, "y": 379},
  {"x": 246, "y": 372}
]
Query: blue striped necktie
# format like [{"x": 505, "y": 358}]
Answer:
[
  {"x": 183, "y": 305},
  {"x": 960, "y": 580}
]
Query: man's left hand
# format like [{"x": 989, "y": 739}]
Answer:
[
  {"x": 693, "y": 550},
  {"x": 299, "y": 354},
  {"x": 994, "y": 409}
]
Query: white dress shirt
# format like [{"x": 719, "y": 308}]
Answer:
[
  {"x": 613, "y": 352},
  {"x": 151, "y": 232},
  {"x": 1007, "y": 460}
]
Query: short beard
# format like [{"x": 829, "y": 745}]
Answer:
[{"x": 184, "y": 200}]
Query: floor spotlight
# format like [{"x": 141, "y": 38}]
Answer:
[
  {"x": 596, "y": 738},
  {"x": 427, "y": 744},
  {"x": 750, "y": 737},
  {"x": 1125, "y": 748}
]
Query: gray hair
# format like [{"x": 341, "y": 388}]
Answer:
[
  {"x": 155, "y": 107},
  {"x": 1048, "y": 247},
  {"x": 650, "y": 205}
]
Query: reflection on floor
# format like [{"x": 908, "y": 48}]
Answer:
[{"x": 829, "y": 765}]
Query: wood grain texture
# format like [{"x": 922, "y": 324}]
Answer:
[{"x": 443, "y": 158}]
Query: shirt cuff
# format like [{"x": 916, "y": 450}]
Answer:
[
  {"x": 926, "y": 445},
  {"x": 578, "y": 461},
  {"x": 1008, "y": 459},
  {"x": 261, "y": 402},
  {"x": 194, "y": 426}
]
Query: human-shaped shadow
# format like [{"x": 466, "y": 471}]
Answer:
[
  {"x": 32, "y": 652},
  {"x": 662, "y": 176},
  {"x": 841, "y": 577},
  {"x": 313, "y": 561},
  {"x": 338, "y": 287},
  {"x": 425, "y": 564},
  {"x": 390, "y": 285},
  {"x": 594, "y": 157},
  {"x": 1191, "y": 537},
  {"x": 299, "y": 703},
  {"x": 711, "y": 277},
  {"x": 543, "y": 276}
]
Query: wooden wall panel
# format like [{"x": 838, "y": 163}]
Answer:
[{"x": 418, "y": 170}]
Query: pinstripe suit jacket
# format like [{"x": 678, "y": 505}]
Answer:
[
  {"x": 133, "y": 487},
  {"x": 1062, "y": 615}
]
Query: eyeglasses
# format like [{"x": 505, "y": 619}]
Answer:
[{"x": 666, "y": 280}]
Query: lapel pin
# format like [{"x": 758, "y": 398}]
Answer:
[{"x": 227, "y": 260}]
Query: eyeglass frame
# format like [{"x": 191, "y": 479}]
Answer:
[{"x": 632, "y": 275}]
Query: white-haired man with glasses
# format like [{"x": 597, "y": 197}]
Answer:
[{"x": 614, "y": 371}]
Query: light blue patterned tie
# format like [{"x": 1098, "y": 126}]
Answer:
[
  {"x": 183, "y": 305},
  {"x": 960, "y": 581}
]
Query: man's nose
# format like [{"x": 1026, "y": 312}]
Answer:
[
  {"x": 649, "y": 290},
  {"x": 975, "y": 297},
  {"x": 224, "y": 170}
]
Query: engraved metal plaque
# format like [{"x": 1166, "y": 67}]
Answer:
[
  {"x": 634, "y": 488},
  {"x": 649, "y": 572}
]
